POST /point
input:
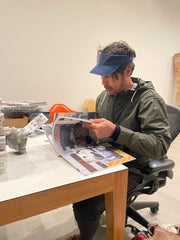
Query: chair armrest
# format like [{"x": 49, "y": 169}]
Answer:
[{"x": 156, "y": 166}]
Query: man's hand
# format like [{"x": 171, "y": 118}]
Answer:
[{"x": 101, "y": 127}]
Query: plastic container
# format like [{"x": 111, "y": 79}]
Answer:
[
  {"x": 1, "y": 124},
  {"x": 2, "y": 143},
  {"x": 3, "y": 159},
  {"x": 3, "y": 166}
]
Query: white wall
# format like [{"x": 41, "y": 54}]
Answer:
[{"x": 48, "y": 47}]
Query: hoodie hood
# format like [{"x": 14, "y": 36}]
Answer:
[{"x": 142, "y": 86}]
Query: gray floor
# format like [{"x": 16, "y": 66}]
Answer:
[{"x": 57, "y": 224}]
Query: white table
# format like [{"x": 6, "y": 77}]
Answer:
[{"x": 39, "y": 181}]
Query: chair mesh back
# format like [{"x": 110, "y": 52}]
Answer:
[{"x": 174, "y": 120}]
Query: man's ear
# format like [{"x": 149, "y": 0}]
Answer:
[{"x": 128, "y": 71}]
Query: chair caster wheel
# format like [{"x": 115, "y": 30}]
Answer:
[{"x": 154, "y": 209}]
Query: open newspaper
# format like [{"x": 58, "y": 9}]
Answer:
[{"x": 73, "y": 142}]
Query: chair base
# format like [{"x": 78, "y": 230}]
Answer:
[
  {"x": 132, "y": 211},
  {"x": 154, "y": 206}
]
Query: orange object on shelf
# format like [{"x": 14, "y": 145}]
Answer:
[{"x": 58, "y": 108}]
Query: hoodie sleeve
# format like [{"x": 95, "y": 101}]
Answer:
[{"x": 153, "y": 139}]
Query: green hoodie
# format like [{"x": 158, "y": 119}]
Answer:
[{"x": 142, "y": 116}]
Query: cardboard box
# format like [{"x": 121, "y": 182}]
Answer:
[
  {"x": 177, "y": 73},
  {"x": 15, "y": 122}
]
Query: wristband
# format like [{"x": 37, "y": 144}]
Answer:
[{"x": 116, "y": 133}]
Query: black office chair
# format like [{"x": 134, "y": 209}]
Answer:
[{"x": 154, "y": 175}]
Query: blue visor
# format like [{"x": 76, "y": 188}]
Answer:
[{"x": 108, "y": 64}]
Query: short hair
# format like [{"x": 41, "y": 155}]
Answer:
[{"x": 119, "y": 48}]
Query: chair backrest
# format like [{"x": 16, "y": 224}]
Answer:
[{"x": 174, "y": 120}]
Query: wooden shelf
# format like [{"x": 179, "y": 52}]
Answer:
[{"x": 177, "y": 74}]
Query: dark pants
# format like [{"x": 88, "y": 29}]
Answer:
[{"x": 87, "y": 212}]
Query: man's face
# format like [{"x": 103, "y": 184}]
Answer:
[{"x": 113, "y": 85}]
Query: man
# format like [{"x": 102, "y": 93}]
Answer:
[{"x": 131, "y": 115}]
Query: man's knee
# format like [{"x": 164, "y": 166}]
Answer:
[{"x": 89, "y": 209}]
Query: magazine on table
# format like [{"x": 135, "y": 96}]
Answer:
[{"x": 73, "y": 142}]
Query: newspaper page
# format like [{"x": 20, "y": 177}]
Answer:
[{"x": 73, "y": 142}]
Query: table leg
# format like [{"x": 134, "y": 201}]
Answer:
[{"x": 116, "y": 207}]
